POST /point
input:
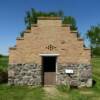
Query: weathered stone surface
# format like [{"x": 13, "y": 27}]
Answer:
[
  {"x": 89, "y": 82},
  {"x": 81, "y": 76},
  {"x": 31, "y": 74},
  {"x": 24, "y": 74}
]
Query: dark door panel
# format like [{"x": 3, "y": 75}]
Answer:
[{"x": 49, "y": 70}]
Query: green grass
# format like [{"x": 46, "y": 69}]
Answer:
[
  {"x": 20, "y": 93},
  {"x": 63, "y": 88},
  {"x": 4, "y": 62},
  {"x": 38, "y": 93}
]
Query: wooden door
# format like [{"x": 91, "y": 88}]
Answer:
[{"x": 49, "y": 78}]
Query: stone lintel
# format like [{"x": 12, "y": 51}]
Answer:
[
  {"x": 49, "y": 18},
  {"x": 49, "y": 54}
]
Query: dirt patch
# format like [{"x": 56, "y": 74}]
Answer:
[
  {"x": 51, "y": 90},
  {"x": 53, "y": 94}
]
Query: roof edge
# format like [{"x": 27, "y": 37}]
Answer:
[{"x": 49, "y": 18}]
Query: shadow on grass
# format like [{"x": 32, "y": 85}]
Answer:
[
  {"x": 93, "y": 83},
  {"x": 3, "y": 77}
]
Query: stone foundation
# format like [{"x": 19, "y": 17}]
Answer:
[
  {"x": 24, "y": 74},
  {"x": 31, "y": 74},
  {"x": 81, "y": 76}
]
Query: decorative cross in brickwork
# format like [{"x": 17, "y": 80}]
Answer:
[{"x": 50, "y": 47}]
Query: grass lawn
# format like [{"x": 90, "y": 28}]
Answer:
[
  {"x": 20, "y": 93},
  {"x": 3, "y": 62},
  {"x": 53, "y": 93}
]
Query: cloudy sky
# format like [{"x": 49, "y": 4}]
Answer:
[{"x": 12, "y": 13}]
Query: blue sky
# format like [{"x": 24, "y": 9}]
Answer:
[{"x": 12, "y": 13}]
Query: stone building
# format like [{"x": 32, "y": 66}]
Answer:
[{"x": 48, "y": 54}]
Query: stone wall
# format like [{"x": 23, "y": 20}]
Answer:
[
  {"x": 31, "y": 74},
  {"x": 24, "y": 74},
  {"x": 81, "y": 76}
]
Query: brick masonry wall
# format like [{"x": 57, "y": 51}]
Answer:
[{"x": 49, "y": 32}]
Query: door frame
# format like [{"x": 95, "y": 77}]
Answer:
[{"x": 48, "y": 55}]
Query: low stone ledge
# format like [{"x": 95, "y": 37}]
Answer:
[
  {"x": 27, "y": 31},
  {"x": 74, "y": 31},
  {"x": 87, "y": 48},
  {"x": 12, "y": 48},
  {"x": 34, "y": 25},
  {"x": 19, "y": 38},
  {"x": 80, "y": 39}
]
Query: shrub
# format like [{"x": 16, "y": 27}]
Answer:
[
  {"x": 3, "y": 76},
  {"x": 3, "y": 63},
  {"x": 1, "y": 55}
]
